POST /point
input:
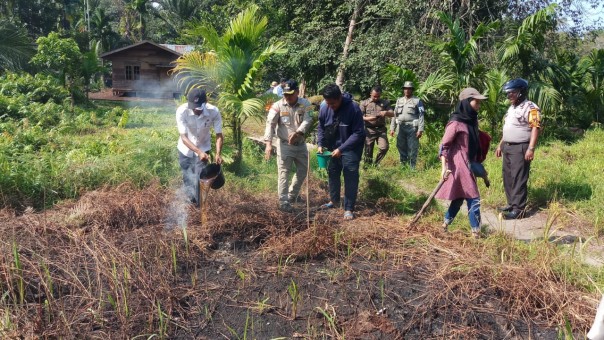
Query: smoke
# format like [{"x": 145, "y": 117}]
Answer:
[
  {"x": 176, "y": 216},
  {"x": 177, "y": 212}
]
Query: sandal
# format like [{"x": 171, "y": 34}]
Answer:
[
  {"x": 348, "y": 215},
  {"x": 327, "y": 206}
]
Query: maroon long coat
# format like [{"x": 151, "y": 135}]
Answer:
[{"x": 461, "y": 183}]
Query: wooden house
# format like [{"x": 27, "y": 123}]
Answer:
[{"x": 142, "y": 69}]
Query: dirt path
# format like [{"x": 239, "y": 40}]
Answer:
[{"x": 536, "y": 226}]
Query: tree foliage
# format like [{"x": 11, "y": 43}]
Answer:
[{"x": 15, "y": 47}]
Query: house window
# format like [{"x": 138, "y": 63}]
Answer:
[{"x": 133, "y": 72}]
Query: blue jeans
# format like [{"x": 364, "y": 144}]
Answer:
[
  {"x": 473, "y": 211},
  {"x": 347, "y": 164}
]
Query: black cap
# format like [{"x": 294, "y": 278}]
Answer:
[
  {"x": 196, "y": 98},
  {"x": 290, "y": 87}
]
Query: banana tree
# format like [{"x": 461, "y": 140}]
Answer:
[{"x": 229, "y": 65}]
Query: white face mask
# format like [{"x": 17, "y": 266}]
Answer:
[{"x": 202, "y": 108}]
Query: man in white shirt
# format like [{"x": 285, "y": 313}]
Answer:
[{"x": 194, "y": 121}]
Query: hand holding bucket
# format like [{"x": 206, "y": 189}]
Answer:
[{"x": 323, "y": 159}]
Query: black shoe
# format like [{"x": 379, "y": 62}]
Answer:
[
  {"x": 513, "y": 215},
  {"x": 297, "y": 199},
  {"x": 505, "y": 208}
]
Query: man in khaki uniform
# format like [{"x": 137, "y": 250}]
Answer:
[
  {"x": 291, "y": 118},
  {"x": 409, "y": 116},
  {"x": 375, "y": 110}
]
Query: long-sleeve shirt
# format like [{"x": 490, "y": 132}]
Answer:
[{"x": 349, "y": 134}]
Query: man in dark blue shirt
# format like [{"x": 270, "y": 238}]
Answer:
[{"x": 341, "y": 130}]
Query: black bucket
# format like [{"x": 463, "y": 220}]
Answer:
[{"x": 213, "y": 171}]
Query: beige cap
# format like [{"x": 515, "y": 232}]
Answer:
[
  {"x": 470, "y": 92},
  {"x": 408, "y": 84}
]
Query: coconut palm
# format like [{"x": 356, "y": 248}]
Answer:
[
  {"x": 230, "y": 66},
  {"x": 176, "y": 13},
  {"x": 15, "y": 47}
]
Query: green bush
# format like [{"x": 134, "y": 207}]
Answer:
[{"x": 39, "y": 88}]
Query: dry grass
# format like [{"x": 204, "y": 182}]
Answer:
[{"x": 112, "y": 265}]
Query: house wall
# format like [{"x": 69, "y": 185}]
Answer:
[{"x": 153, "y": 81}]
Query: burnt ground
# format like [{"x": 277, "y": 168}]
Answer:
[{"x": 124, "y": 262}]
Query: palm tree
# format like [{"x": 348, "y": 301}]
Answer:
[
  {"x": 101, "y": 28},
  {"x": 435, "y": 85},
  {"x": 176, "y": 13},
  {"x": 230, "y": 67},
  {"x": 459, "y": 52},
  {"x": 593, "y": 80},
  {"x": 15, "y": 47},
  {"x": 493, "y": 108},
  {"x": 522, "y": 54},
  {"x": 91, "y": 65}
]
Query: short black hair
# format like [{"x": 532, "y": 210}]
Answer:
[
  {"x": 332, "y": 91},
  {"x": 283, "y": 80},
  {"x": 377, "y": 89}
]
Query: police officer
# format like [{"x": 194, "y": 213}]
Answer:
[
  {"x": 375, "y": 110},
  {"x": 517, "y": 146},
  {"x": 291, "y": 117},
  {"x": 409, "y": 116}
]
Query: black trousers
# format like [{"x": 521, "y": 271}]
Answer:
[
  {"x": 191, "y": 168},
  {"x": 515, "y": 174}
]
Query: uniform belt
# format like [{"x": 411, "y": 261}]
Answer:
[
  {"x": 286, "y": 142},
  {"x": 515, "y": 143}
]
